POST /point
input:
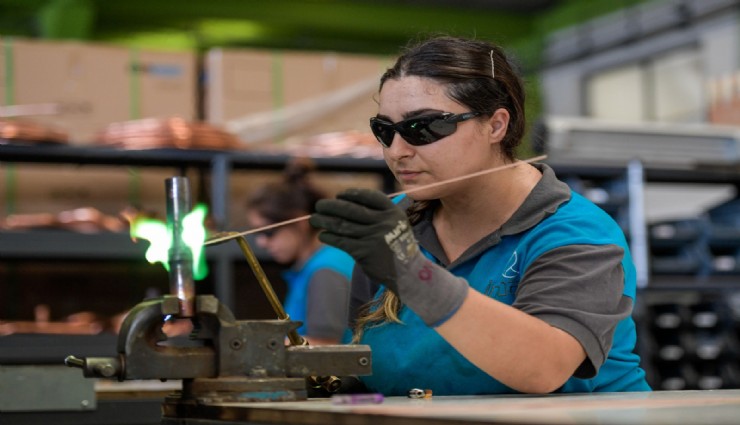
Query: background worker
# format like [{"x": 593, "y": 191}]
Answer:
[
  {"x": 507, "y": 282},
  {"x": 317, "y": 275}
]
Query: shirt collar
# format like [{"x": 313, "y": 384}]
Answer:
[{"x": 544, "y": 199}]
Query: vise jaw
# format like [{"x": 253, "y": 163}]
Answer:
[{"x": 225, "y": 359}]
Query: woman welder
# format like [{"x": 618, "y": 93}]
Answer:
[{"x": 506, "y": 282}]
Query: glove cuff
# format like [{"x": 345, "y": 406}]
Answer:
[{"x": 432, "y": 292}]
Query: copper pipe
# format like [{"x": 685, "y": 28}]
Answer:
[{"x": 225, "y": 236}]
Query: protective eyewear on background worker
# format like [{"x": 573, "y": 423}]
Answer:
[{"x": 419, "y": 131}]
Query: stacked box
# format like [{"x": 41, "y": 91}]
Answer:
[
  {"x": 89, "y": 86},
  {"x": 274, "y": 96},
  {"x": 289, "y": 96}
]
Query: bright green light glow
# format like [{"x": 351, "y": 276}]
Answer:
[
  {"x": 194, "y": 235},
  {"x": 160, "y": 239},
  {"x": 158, "y": 236}
]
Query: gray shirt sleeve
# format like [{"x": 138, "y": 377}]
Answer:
[
  {"x": 579, "y": 289},
  {"x": 328, "y": 304}
]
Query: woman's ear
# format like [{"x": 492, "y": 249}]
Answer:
[{"x": 499, "y": 122}]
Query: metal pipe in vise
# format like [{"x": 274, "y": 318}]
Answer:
[
  {"x": 329, "y": 383},
  {"x": 277, "y": 307},
  {"x": 180, "y": 256}
]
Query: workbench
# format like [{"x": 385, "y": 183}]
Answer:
[
  {"x": 711, "y": 407},
  {"x": 715, "y": 407}
]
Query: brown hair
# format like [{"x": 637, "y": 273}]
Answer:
[
  {"x": 292, "y": 197},
  {"x": 465, "y": 67},
  {"x": 476, "y": 74}
]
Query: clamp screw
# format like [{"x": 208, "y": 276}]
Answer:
[
  {"x": 73, "y": 361},
  {"x": 107, "y": 370}
]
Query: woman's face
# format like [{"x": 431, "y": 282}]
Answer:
[
  {"x": 467, "y": 150},
  {"x": 283, "y": 243}
]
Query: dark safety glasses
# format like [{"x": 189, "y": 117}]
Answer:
[{"x": 420, "y": 130}]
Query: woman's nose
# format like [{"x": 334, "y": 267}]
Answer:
[{"x": 399, "y": 148}]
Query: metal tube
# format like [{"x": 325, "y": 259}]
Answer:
[
  {"x": 293, "y": 336},
  {"x": 180, "y": 255},
  {"x": 329, "y": 383}
]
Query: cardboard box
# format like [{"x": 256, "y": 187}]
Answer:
[
  {"x": 53, "y": 188},
  {"x": 92, "y": 85},
  {"x": 167, "y": 84},
  {"x": 85, "y": 84},
  {"x": 273, "y": 96},
  {"x": 237, "y": 83}
]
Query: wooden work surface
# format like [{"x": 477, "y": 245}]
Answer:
[{"x": 717, "y": 407}]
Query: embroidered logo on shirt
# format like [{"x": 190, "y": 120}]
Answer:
[
  {"x": 511, "y": 272},
  {"x": 508, "y": 283}
]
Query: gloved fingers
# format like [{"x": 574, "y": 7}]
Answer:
[
  {"x": 370, "y": 261},
  {"x": 370, "y": 198},
  {"x": 342, "y": 242},
  {"x": 328, "y": 223},
  {"x": 341, "y": 226},
  {"x": 348, "y": 210}
]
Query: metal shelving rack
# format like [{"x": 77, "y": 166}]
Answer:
[
  {"x": 48, "y": 244},
  {"x": 682, "y": 346},
  {"x": 220, "y": 164},
  {"x": 217, "y": 164}
]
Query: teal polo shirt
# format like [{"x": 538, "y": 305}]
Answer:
[{"x": 559, "y": 258}]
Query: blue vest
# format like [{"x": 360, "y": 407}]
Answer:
[
  {"x": 413, "y": 355},
  {"x": 296, "y": 300}
]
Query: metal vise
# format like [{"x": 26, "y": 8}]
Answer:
[
  {"x": 226, "y": 359},
  {"x": 237, "y": 361}
]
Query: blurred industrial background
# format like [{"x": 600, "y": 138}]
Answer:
[{"x": 636, "y": 104}]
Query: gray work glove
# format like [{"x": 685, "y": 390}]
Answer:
[{"x": 376, "y": 232}]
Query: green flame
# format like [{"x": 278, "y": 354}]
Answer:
[
  {"x": 160, "y": 239},
  {"x": 194, "y": 235}
]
